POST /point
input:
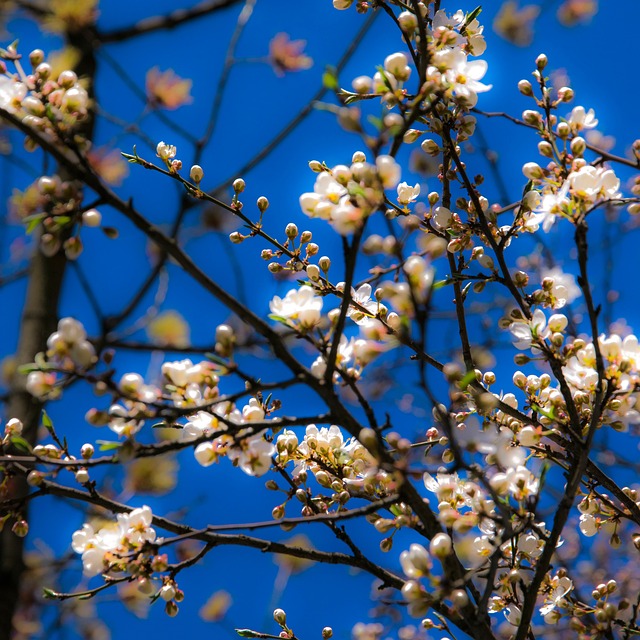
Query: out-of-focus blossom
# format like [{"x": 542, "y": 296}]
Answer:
[
  {"x": 70, "y": 15},
  {"x": 287, "y": 55},
  {"x": 216, "y": 607},
  {"x": 514, "y": 24},
  {"x": 169, "y": 329},
  {"x": 167, "y": 90},
  {"x": 572, "y": 12},
  {"x": 109, "y": 165}
]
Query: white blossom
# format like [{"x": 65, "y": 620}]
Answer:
[
  {"x": 580, "y": 119},
  {"x": 407, "y": 194},
  {"x": 301, "y": 307}
]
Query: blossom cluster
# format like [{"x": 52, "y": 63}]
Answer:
[
  {"x": 450, "y": 76},
  {"x": 117, "y": 546},
  {"x": 344, "y": 466},
  {"x": 54, "y": 106},
  {"x": 346, "y": 195},
  {"x": 568, "y": 187},
  {"x": 68, "y": 350}
]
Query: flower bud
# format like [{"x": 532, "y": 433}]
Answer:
[
  {"x": 67, "y": 79},
  {"x": 313, "y": 272},
  {"x": 291, "y": 231},
  {"x": 72, "y": 247},
  {"x": 236, "y": 237},
  {"x": 224, "y": 334},
  {"x": 545, "y": 149},
  {"x": 459, "y": 598},
  {"x": 524, "y": 87},
  {"x": 396, "y": 65},
  {"x": 280, "y": 616},
  {"x": 35, "y": 478},
  {"x": 160, "y": 563},
  {"x": 361, "y": 84},
  {"x": 541, "y": 61},
  {"x": 324, "y": 263},
  {"x": 43, "y": 70},
  {"x": 196, "y": 173},
  {"x": 533, "y": 171},
  {"x": 239, "y": 185},
  {"x": 386, "y": 544},
  {"x": 20, "y": 528},
  {"x": 440, "y": 545},
  {"x": 327, "y": 632},
  {"x": 557, "y": 322},
  {"x": 263, "y": 204},
  {"x": 565, "y": 94},
  {"x": 411, "y": 135},
  {"x": 532, "y": 117},
  {"x": 430, "y": 146},
  {"x": 316, "y": 166},
  {"x": 168, "y": 592},
  {"x": 91, "y": 218},
  {"x": 82, "y": 476},
  {"x": 36, "y": 57},
  {"x": 13, "y": 427},
  {"x": 578, "y": 146}
]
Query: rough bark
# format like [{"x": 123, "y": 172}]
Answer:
[{"x": 39, "y": 320}]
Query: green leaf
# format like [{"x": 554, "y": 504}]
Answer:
[
  {"x": 49, "y": 594},
  {"x": 47, "y": 423},
  {"x": 107, "y": 445},
  {"x": 543, "y": 474},
  {"x": 247, "y": 633},
  {"x": 376, "y": 122},
  {"x": 356, "y": 190},
  {"x": 33, "y": 222},
  {"x": 20, "y": 443},
  {"x": 473, "y": 15},
  {"x": 441, "y": 283},
  {"x": 25, "y": 369},
  {"x": 543, "y": 412},
  {"x": 395, "y": 510},
  {"x": 330, "y": 79},
  {"x": 467, "y": 379},
  {"x": 352, "y": 99},
  {"x": 132, "y": 158},
  {"x": 62, "y": 220}
]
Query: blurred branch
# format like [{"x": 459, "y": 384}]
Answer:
[{"x": 167, "y": 22}]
